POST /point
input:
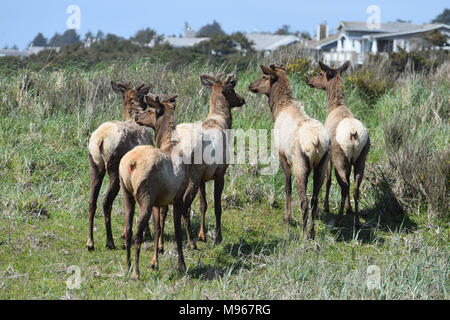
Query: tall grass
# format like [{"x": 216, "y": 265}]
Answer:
[{"x": 47, "y": 117}]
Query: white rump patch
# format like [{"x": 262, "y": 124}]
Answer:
[{"x": 347, "y": 128}]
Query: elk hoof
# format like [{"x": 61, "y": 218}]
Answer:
[
  {"x": 291, "y": 221},
  {"x": 135, "y": 276},
  {"x": 90, "y": 246},
  {"x": 201, "y": 237},
  {"x": 192, "y": 246},
  {"x": 181, "y": 267},
  {"x": 110, "y": 245},
  {"x": 218, "y": 240}
]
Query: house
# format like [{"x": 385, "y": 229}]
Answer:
[
  {"x": 25, "y": 53},
  {"x": 355, "y": 40},
  {"x": 266, "y": 42}
]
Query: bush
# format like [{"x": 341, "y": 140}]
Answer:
[
  {"x": 420, "y": 168},
  {"x": 303, "y": 68}
]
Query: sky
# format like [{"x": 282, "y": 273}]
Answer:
[{"x": 21, "y": 20}]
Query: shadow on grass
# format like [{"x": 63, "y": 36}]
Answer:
[
  {"x": 232, "y": 257},
  {"x": 387, "y": 215}
]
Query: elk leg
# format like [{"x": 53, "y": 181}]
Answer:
[
  {"x": 342, "y": 172},
  {"x": 203, "y": 208},
  {"x": 162, "y": 222},
  {"x": 157, "y": 236},
  {"x": 145, "y": 210},
  {"x": 327, "y": 190},
  {"x": 319, "y": 176},
  {"x": 287, "y": 188},
  {"x": 128, "y": 207},
  {"x": 178, "y": 210},
  {"x": 188, "y": 198},
  {"x": 219, "y": 183},
  {"x": 301, "y": 179},
  {"x": 111, "y": 194},
  {"x": 96, "y": 175},
  {"x": 358, "y": 175}
]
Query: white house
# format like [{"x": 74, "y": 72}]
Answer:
[
  {"x": 354, "y": 40},
  {"x": 266, "y": 42}
]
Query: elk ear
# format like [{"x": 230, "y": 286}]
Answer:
[
  {"x": 330, "y": 72},
  {"x": 153, "y": 102},
  {"x": 267, "y": 71},
  {"x": 344, "y": 67},
  {"x": 208, "y": 83},
  {"x": 143, "y": 90},
  {"x": 173, "y": 99},
  {"x": 324, "y": 67},
  {"x": 118, "y": 87}
]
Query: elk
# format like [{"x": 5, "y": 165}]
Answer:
[
  {"x": 303, "y": 143},
  {"x": 154, "y": 178},
  {"x": 107, "y": 145},
  {"x": 349, "y": 138},
  {"x": 223, "y": 99}
]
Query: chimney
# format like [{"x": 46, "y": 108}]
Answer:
[
  {"x": 322, "y": 31},
  {"x": 189, "y": 32}
]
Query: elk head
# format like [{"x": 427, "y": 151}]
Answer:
[
  {"x": 224, "y": 88},
  {"x": 271, "y": 75},
  {"x": 133, "y": 100},
  {"x": 321, "y": 80}
]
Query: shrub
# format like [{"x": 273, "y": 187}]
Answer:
[
  {"x": 420, "y": 169},
  {"x": 303, "y": 68}
]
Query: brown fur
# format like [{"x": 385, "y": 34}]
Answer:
[
  {"x": 331, "y": 81},
  {"x": 304, "y": 145},
  {"x": 222, "y": 99},
  {"x": 107, "y": 145},
  {"x": 133, "y": 100},
  {"x": 153, "y": 177}
]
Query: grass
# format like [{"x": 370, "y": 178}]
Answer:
[{"x": 44, "y": 191}]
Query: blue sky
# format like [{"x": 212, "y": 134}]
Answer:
[{"x": 21, "y": 20}]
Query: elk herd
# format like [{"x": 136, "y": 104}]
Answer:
[{"x": 159, "y": 170}]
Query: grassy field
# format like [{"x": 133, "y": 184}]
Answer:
[{"x": 45, "y": 122}]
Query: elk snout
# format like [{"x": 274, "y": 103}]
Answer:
[
  {"x": 252, "y": 88},
  {"x": 241, "y": 101},
  {"x": 309, "y": 82}
]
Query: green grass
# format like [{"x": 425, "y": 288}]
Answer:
[{"x": 44, "y": 191}]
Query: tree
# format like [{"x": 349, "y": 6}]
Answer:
[
  {"x": 305, "y": 35},
  {"x": 284, "y": 30},
  {"x": 68, "y": 37},
  {"x": 435, "y": 38},
  {"x": 88, "y": 35},
  {"x": 100, "y": 35},
  {"x": 39, "y": 41},
  {"x": 444, "y": 17},
  {"x": 145, "y": 36},
  {"x": 210, "y": 30}
]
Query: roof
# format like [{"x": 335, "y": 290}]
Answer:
[
  {"x": 384, "y": 27},
  {"x": 319, "y": 44},
  {"x": 184, "y": 42},
  {"x": 262, "y": 41},
  {"x": 419, "y": 29},
  {"x": 13, "y": 52},
  {"x": 270, "y": 42}
]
